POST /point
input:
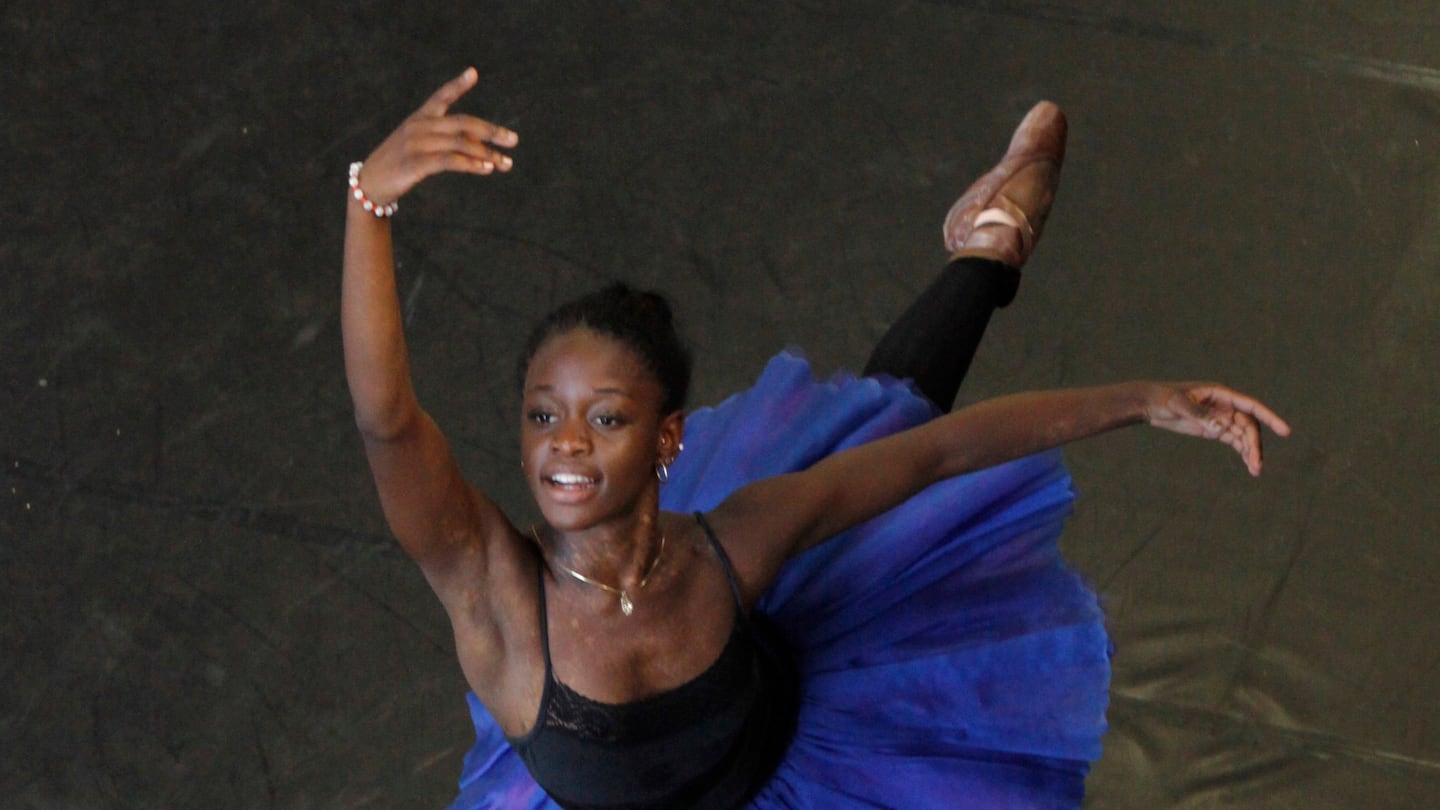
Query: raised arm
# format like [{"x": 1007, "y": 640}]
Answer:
[
  {"x": 782, "y": 516},
  {"x": 437, "y": 517}
]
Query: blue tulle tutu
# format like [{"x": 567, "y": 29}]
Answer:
[{"x": 947, "y": 656}]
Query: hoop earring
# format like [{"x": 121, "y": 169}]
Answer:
[{"x": 662, "y": 472}]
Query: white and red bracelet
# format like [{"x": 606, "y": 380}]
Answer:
[{"x": 380, "y": 211}]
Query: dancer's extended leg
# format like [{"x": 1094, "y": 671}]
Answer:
[
  {"x": 933, "y": 342},
  {"x": 992, "y": 230}
]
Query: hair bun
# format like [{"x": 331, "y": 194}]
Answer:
[{"x": 641, "y": 319}]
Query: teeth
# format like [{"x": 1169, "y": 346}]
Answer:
[{"x": 566, "y": 479}]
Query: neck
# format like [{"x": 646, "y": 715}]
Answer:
[{"x": 619, "y": 552}]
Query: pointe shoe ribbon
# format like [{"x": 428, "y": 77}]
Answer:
[
  {"x": 1002, "y": 214},
  {"x": 1004, "y": 211}
]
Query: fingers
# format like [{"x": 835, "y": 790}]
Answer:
[
  {"x": 476, "y": 129},
  {"x": 450, "y": 92},
  {"x": 432, "y": 141},
  {"x": 458, "y": 150},
  {"x": 437, "y": 141},
  {"x": 1234, "y": 418},
  {"x": 1220, "y": 413},
  {"x": 1244, "y": 435},
  {"x": 1257, "y": 409},
  {"x": 1241, "y": 402},
  {"x": 1271, "y": 419}
]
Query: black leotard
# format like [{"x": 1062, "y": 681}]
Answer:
[{"x": 711, "y": 742}]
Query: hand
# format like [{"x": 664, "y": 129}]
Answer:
[
  {"x": 1214, "y": 412},
  {"x": 432, "y": 141}
]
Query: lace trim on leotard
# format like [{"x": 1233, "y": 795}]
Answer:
[{"x": 657, "y": 715}]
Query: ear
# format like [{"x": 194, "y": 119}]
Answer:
[{"x": 672, "y": 429}]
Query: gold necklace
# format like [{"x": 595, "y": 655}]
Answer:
[{"x": 627, "y": 605}]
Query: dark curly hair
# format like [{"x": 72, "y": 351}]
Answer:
[{"x": 640, "y": 319}]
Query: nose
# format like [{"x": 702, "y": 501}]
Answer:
[{"x": 571, "y": 437}]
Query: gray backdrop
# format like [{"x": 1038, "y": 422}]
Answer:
[{"x": 201, "y": 607}]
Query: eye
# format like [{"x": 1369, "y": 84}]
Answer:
[
  {"x": 540, "y": 417},
  {"x": 609, "y": 420}
]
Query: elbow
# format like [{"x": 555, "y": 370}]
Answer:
[
  {"x": 940, "y": 462},
  {"x": 383, "y": 409},
  {"x": 385, "y": 423}
]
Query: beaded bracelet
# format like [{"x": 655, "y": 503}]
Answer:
[{"x": 380, "y": 211}]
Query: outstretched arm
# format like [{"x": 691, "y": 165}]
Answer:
[
  {"x": 780, "y": 517},
  {"x": 434, "y": 514}
]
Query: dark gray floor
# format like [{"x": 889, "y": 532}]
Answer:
[{"x": 200, "y": 605}]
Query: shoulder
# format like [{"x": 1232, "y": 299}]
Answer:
[{"x": 754, "y": 550}]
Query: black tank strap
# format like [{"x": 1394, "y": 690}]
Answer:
[
  {"x": 724, "y": 562},
  {"x": 547, "y": 688},
  {"x": 544, "y": 619}
]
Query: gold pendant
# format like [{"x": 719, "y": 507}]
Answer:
[{"x": 626, "y": 606}]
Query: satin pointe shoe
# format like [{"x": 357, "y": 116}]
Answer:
[{"x": 1002, "y": 214}]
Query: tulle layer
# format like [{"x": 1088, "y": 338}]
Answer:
[{"x": 947, "y": 656}]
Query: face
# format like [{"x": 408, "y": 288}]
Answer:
[{"x": 592, "y": 431}]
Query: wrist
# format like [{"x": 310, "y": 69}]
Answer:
[
  {"x": 358, "y": 195},
  {"x": 1142, "y": 400},
  {"x": 356, "y": 214}
]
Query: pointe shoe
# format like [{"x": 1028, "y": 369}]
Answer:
[{"x": 1002, "y": 214}]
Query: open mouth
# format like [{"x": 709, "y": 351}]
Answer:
[
  {"x": 570, "y": 487},
  {"x": 569, "y": 480}
]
